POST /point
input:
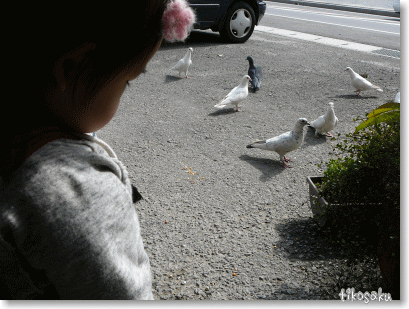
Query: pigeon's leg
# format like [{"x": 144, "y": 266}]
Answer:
[
  {"x": 286, "y": 159},
  {"x": 285, "y": 164},
  {"x": 283, "y": 159},
  {"x": 329, "y": 135},
  {"x": 358, "y": 92},
  {"x": 187, "y": 75},
  {"x": 237, "y": 108}
]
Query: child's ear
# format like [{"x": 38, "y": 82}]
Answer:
[{"x": 67, "y": 63}]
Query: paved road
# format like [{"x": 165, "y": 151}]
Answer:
[
  {"x": 376, "y": 30},
  {"x": 382, "y": 4},
  {"x": 215, "y": 208}
]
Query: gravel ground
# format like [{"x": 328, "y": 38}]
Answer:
[{"x": 221, "y": 221}]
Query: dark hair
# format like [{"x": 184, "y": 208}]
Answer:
[{"x": 45, "y": 32}]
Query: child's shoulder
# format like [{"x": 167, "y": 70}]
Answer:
[
  {"x": 64, "y": 168},
  {"x": 69, "y": 178},
  {"x": 67, "y": 154},
  {"x": 62, "y": 156}
]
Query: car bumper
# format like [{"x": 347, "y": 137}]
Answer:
[{"x": 262, "y": 6}]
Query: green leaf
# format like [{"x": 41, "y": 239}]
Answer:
[
  {"x": 379, "y": 111},
  {"x": 384, "y": 108},
  {"x": 391, "y": 104},
  {"x": 385, "y": 117}
]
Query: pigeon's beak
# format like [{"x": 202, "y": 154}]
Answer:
[{"x": 250, "y": 79}]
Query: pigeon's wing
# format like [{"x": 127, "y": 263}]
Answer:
[
  {"x": 336, "y": 121},
  {"x": 284, "y": 143},
  {"x": 259, "y": 73},
  {"x": 234, "y": 97},
  {"x": 255, "y": 83},
  {"x": 318, "y": 123},
  {"x": 361, "y": 83},
  {"x": 227, "y": 99},
  {"x": 231, "y": 93},
  {"x": 258, "y": 76},
  {"x": 238, "y": 95},
  {"x": 179, "y": 65},
  {"x": 271, "y": 143},
  {"x": 277, "y": 142}
]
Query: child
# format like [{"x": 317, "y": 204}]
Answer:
[{"x": 68, "y": 226}]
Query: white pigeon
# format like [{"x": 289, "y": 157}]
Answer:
[
  {"x": 236, "y": 95},
  {"x": 325, "y": 123},
  {"x": 360, "y": 83},
  {"x": 285, "y": 142},
  {"x": 184, "y": 63}
]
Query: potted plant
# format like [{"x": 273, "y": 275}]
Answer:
[{"x": 358, "y": 195}]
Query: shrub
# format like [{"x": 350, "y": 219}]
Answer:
[{"x": 362, "y": 185}]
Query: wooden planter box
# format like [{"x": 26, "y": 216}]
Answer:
[
  {"x": 317, "y": 203},
  {"x": 389, "y": 265}
]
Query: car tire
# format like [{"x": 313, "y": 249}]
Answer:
[{"x": 239, "y": 23}]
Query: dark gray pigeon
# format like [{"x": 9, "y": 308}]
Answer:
[{"x": 255, "y": 74}]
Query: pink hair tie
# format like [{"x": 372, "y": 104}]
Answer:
[{"x": 177, "y": 20}]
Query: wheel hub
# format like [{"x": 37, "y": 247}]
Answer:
[{"x": 240, "y": 23}]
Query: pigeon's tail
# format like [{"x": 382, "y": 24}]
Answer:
[
  {"x": 220, "y": 105},
  {"x": 258, "y": 144},
  {"x": 377, "y": 88}
]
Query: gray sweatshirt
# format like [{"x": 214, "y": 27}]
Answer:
[{"x": 69, "y": 228}]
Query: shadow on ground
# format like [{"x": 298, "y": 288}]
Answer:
[
  {"x": 224, "y": 111},
  {"x": 196, "y": 38},
  {"x": 303, "y": 240},
  {"x": 171, "y": 78},
  {"x": 327, "y": 267},
  {"x": 311, "y": 140},
  {"x": 287, "y": 292},
  {"x": 355, "y": 97},
  {"x": 269, "y": 168}
]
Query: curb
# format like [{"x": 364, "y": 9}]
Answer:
[{"x": 341, "y": 7}]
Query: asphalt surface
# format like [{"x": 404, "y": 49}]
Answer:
[
  {"x": 376, "y": 30},
  {"x": 220, "y": 221}
]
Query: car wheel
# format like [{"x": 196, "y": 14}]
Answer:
[{"x": 239, "y": 23}]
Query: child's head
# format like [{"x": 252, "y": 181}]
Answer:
[
  {"x": 68, "y": 63},
  {"x": 72, "y": 51},
  {"x": 92, "y": 93}
]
